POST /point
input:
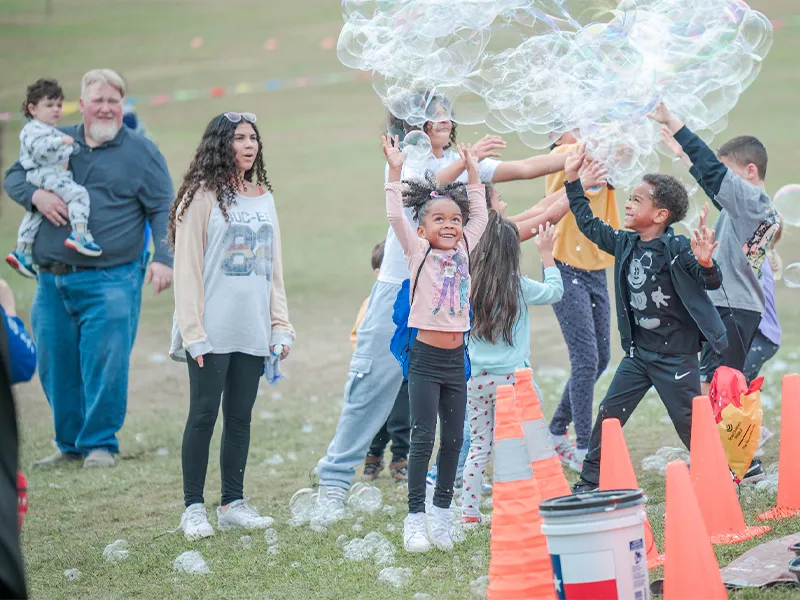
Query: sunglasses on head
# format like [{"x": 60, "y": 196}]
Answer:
[{"x": 235, "y": 117}]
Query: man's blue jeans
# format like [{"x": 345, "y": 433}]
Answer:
[{"x": 84, "y": 324}]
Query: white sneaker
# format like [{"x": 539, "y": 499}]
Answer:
[
  {"x": 415, "y": 533},
  {"x": 440, "y": 525},
  {"x": 241, "y": 515},
  {"x": 194, "y": 522}
]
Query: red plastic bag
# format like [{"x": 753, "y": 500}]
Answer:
[{"x": 727, "y": 386}]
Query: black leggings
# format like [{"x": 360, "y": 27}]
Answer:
[
  {"x": 234, "y": 377},
  {"x": 436, "y": 385}
]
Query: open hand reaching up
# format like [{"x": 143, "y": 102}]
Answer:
[
  {"x": 391, "y": 150},
  {"x": 574, "y": 162},
  {"x": 703, "y": 244},
  {"x": 487, "y": 146},
  {"x": 593, "y": 174},
  {"x": 395, "y": 158},
  {"x": 661, "y": 114},
  {"x": 674, "y": 147},
  {"x": 469, "y": 155},
  {"x": 545, "y": 241}
]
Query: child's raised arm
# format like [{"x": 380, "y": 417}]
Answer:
[
  {"x": 476, "y": 192},
  {"x": 551, "y": 289},
  {"x": 705, "y": 166},
  {"x": 698, "y": 263},
  {"x": 598, "y": 231},
  {"x": 405, "y": 233},
  {"x": 391, "y": 150}
]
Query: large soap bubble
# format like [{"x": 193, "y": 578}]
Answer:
[
  {"x": 544, "y": 67},
  {"x": 787, "y": 203},
  {"x": 791, "y": 275},
  {"x": 416, "y": 148}
]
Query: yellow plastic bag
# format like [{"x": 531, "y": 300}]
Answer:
[{"x": 740, "y": 431}]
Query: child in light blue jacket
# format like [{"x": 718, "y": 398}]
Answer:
[{"x": 500, "y": 337}]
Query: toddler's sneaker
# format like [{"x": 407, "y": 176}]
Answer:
[
  {"x": 399, "y": 471},
  {"x": 21, "y": 262},
  {"x": 83, "y": 243},
  {"x": 373, "y": 465},
  {"x": 440, "y": 528},
  {"x": 415, "y": 533},
  {"x": 241, "y": 515},
  {"x": 194, "y": 523}
]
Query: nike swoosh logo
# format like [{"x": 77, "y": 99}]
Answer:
[{"x": 678, "y": 377}]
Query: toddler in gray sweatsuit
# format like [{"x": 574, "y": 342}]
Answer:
[{"x": 44, "y": 154}]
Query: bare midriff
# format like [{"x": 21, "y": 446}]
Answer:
[{"x": 448, "y": 340}]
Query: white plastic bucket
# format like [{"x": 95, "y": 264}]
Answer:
[{"x": 596, "y": 545}]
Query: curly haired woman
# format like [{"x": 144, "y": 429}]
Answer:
[{"x": 230, "y": 309}]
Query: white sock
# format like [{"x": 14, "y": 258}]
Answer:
[
  {"x": 580, "y": 454},
  {"x": 24, "y": 247},
  {"x": 560, "y": 439},
  {"x": 79, "y": 227}
]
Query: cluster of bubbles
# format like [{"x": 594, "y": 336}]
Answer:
[
  {"x": 544, "y": 67},
  {"x": 373, "y": 546},
  {"x": 658, "y": 462},
  {"x": 306, "y": 508}
]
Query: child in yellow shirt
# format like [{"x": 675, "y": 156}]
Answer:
[{"x": 584, "y": 313}]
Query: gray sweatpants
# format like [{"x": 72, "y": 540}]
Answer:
[
  {"x": 372, "y": 385},
  {"x": 58, "y": 180}
]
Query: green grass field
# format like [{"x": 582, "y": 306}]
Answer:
[{"x": 324, "y": 161}]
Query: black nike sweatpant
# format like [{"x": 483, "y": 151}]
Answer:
[{"x": 676, "y": 378}]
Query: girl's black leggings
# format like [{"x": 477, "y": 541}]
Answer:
[
  {"x": 436, "y": 386},
  {"x": 233, "y": 378}
]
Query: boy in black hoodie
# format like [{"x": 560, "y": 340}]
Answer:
[{"x": 663, "y": 311}]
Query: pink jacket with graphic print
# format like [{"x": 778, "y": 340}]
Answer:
[{"x": 441, "y": 301}]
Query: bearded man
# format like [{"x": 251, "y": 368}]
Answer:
[{"x": 86, "y": 310}]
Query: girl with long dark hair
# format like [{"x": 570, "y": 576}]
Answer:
[
  {"x": 500, "y": 336},
  {"x": 230, "y": 309}
]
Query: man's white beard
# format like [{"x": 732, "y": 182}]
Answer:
[{"x": 102, "y": 133}]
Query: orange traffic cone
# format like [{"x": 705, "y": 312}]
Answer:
[
  {"x": 713, "y": 483},
  {"x": 520, "y": 567},
  {"x": 691, "y": 569},
  {"x": 546, "y": 464},
  {"x": 616, "y": 473},
  {"x": 789, "y": 453}
]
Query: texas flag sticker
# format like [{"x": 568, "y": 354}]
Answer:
[{"x": 585, "y": 576}]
